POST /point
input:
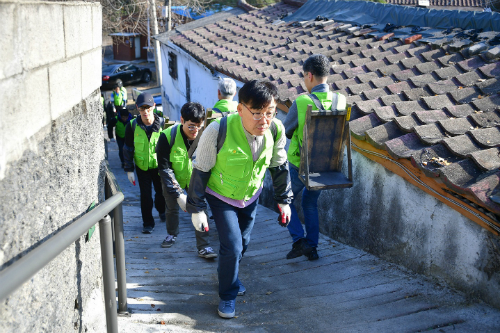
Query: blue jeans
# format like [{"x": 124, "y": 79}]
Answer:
[
  {"x": 309, "y": 207},
  {"x": 234, "y": 226}
]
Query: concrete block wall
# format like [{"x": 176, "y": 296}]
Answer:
[
  {"x": 51, "y": 160},
  {"x": 50, "y": 62}
]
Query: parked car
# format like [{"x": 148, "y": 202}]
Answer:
[{"x": 126, "y": 72}]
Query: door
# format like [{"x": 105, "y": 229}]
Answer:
[{"x": 137, "y": 44}]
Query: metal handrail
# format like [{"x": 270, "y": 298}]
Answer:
[{"x": 12, "y": 277}]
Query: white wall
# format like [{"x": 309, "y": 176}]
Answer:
[{"x": 203, "y": 83}]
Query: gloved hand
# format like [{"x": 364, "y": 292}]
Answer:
[
  {"x": 181, "y": 200},
  {"x": 285, "y": 214},
  {"x": 200, "y": 221},
  {"x": 131, "y": 177}
]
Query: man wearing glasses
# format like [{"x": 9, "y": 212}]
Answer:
[
  {"x": 316, "y": 70},
  {"x": 175, "y": 168},
  {"x": 230, "y": 162},
  {"x": 141, "y": 136}
]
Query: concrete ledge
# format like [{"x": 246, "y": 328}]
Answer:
[
  {"x": 77, "y": 35},
  {"x": 91, "y": 71},
  {"x": 24, "y": 116},
  {"x": 65, "y": 81},
  {"x": 41, "y": 28},
  {"x": 96, "y": 26},
  {"x": 9, "y": 52}
]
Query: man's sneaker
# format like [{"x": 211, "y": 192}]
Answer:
[
  {"x": 207, "y": 253},
  {"x": 168, "y": 241},
  {"x": 163, "y": 218},
  {"x": 226, "y": 309},
  {"x": 313, "y": 255},
  {"x": 299, "y": 248},
  {"x": 242, "y": 290},
  {"x": 147, "y": 230}
]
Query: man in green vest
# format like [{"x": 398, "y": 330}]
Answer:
[
  {"x": 230, "y": 162},
  {"x": 122, "y": 119},
  {"x": 175, "y": 168},
  {"x": 141, "y": 137},
  {"x": 316, "y": 70},
  {"x": 225, "y": 94}
]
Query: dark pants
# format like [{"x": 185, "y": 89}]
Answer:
[
  {"x": 110, "y": 128},
  {"x": 120, "y": 142},
  {"x": 172, "y": 215},
  {"x": 146, "y": 179},
  {"x": 234, "y": 226}
]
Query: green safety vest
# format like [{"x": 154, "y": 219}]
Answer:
[
  {"x": 119, "y": 97},
  {"x": 302, "y": 102},
  {"x": 120, "y": 128},
  {"x": 181, "y": 163},
  {"x": 235, "y": 174},
  {"x": 124, "y": 92},
  {"x": 144, "y": 149},
  {"x": 225, "y": 105},
  {"x": 102, "y": 101}
]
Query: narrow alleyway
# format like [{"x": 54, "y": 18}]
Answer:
[{"x": 346, "y": 290}]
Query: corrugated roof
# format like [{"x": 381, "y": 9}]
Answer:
[{"x": 434, "y": 103}]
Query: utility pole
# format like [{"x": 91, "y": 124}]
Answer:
[
  {"x": 169, "y": 15},
  {"x": 156, "y": 44}
]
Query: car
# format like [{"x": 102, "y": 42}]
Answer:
[{"x": 128, "y": 73}]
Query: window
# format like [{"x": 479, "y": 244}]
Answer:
[{"x": 172, "y": 65}]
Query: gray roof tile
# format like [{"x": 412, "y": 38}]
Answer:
[
  {"x": 486, "y": 137},
  {"x": 407, "y": 123},
  {"x": 487, "y": 160},
  {"x": 456, "y": 126},
  {"x": 461, "y": 145},
  {"x": 379, "y": 135},
  {"x": 430, "y": 134}
]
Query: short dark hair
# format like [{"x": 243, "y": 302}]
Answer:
[
  {"x": 317, "y": 65},
  {"x": 257, "y": 94},
  {"x": 192, "y": 111}
]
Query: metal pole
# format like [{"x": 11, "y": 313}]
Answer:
[
  {"x": 22, "y": 270},
  {"x": 108, "y": 274},
  {"x": 156, "y": 45},
  {"x": 121, "y": 275}
]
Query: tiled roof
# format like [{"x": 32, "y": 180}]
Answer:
[{"x": 420, "y": 101}]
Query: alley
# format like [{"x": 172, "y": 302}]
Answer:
[{"x": 346, "y": 290}]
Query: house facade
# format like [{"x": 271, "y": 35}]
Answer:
[{"x": 424, "y": 122}]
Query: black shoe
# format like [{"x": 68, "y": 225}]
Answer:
[
  {"x": 299, "y": 248},
  {"x": 147, "y": 230},
  {"x": 313, "y": 255}
]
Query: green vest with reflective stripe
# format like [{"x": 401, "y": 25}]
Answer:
[
  {"x": 118, "y": 98},
  {"x": 181, "y": 163},
  {"x": 144, "y": 149},
  {"x": 120, "y": 129},
  {"x": 235, "y": 174},
  {"x": 302, "y": 102},
  {"x": 225, "y": 105}
]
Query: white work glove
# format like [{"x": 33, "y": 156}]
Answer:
[
  {"x": 131, "y": 177},
  {"x": 285, "y": 214},
  {"x": 181, "y": 200},
  {"x": 200, "y": 221}
]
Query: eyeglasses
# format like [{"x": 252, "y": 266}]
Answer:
[
  {"x": 192, "y": 128},
  {"x": 258, "y": 115},
  {"x": 145, "y": 108}
]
